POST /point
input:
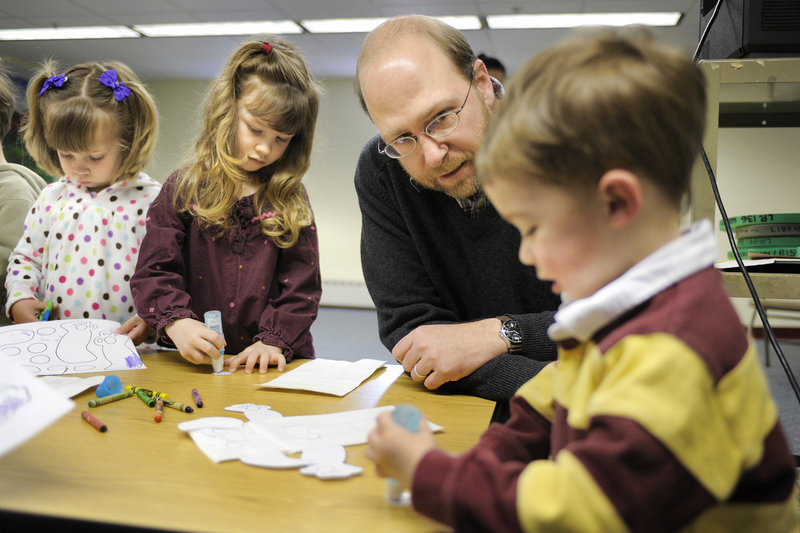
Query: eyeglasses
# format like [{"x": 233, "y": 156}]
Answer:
[{"x": 441, "y": 126}]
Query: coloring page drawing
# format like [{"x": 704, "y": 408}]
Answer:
[{"x": 68, "y": 347}]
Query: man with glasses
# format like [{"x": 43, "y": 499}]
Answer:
[{"x": 455, "y": 305}]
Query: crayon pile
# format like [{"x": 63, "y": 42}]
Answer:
[
  {"x": 151, "y": 398},
  {"x": 766, "y": 235}
]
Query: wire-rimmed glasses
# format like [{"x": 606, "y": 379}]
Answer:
[{"x": 441, "y": 126}]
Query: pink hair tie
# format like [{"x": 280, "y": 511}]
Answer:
[{"x": 266, "y": 47}]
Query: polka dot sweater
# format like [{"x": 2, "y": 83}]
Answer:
[{"x": 79, "y": 248}]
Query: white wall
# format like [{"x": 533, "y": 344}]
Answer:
[{"x": 342, "y": 130}]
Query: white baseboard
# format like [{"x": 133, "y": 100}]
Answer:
[{"x": 345, "y": 293}]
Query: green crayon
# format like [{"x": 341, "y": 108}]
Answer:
[
  {"x": 145, "y": 398},
  {"x": 112, "y": 398},
  {"x": 179, "y": 406}
]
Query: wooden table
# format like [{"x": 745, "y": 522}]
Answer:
[{"x": 151, "y": 475}]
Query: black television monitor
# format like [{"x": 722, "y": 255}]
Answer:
[{"x": 751, "y": 28}]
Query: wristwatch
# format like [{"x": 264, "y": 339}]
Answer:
[{"x": 511, "y": 334}]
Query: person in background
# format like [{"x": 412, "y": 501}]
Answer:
[
  {"x": 20, "y": 185},
  {"x": 455, "y": 305},
  {"x": 94, "y": 124},
  {"x": 233, "y": 231},
  {"x": 494, "y": 67},
  {"x": 657, "y": 415}
]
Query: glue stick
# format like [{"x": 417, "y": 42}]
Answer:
[
  {"x": 408, "y": 417},
  {"x": 213, "y": 320}
]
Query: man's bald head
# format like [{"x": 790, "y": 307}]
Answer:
[{"x": 388, "y": 37}]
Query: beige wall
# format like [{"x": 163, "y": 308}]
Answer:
[
  {"x": 342, "y": 130},
  {"x": 758, "y": 171}
]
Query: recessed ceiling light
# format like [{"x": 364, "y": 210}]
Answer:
[
  {"x": 205, "y": 29},
  {"x": 572, "y": 20},
  {"x": 77, "y": 32}
]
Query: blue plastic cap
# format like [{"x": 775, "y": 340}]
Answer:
[{"x": 110, "y": 385}]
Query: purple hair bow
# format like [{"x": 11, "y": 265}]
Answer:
[
  {"x": 53, "y": 81},
  {"x": 109, "y": 79}
]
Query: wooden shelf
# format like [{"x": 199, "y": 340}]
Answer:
[
  {"x": 780, "y": 286},
  {"x": 766, "y": 92}
]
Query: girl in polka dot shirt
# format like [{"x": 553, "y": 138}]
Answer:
[
  {"x": 95, "y": 125},
  {"x": 233, "y": 231}
]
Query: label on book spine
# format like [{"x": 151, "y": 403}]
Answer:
[
  {"x": 771, "y": 252},
  {"x": 767, "y": 230},
  {"x": 767, "y": 242},
  {"x": 766, "y": 218}
]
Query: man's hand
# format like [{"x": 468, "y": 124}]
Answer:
[
  {"x": 194, "y": 341},
  {"x": 438, "y": 353}
]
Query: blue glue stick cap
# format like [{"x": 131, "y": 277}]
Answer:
[{"x": 110, "y": 385}]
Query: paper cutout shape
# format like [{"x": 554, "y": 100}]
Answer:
[
  {"x": 326, "y": 376},
  {"x": 218, "y": 422},
  {"x": 27, "y": 405},
  {"x": 272, "y": 459},
  {"x": 69, "y": 347},
  {"x": 252, "y": 411},
  {"x": 265, "y": 442},
  {"x": 328, "y": 455},
  {"x": 331, "y": 471}
]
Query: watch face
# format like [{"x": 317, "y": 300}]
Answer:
[{"x": 515, "y": 336}]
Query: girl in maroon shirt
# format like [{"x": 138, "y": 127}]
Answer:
[{"x": 233, "y": 230}]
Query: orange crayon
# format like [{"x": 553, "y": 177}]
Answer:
[{"x": 159, "y": 409}]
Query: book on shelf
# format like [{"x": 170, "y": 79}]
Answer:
[
  {"x": 764, "y": 218},
  {"x": 767, "y": 230},
  {"x": 767, "y": 242},
  {"x": 760, "y": 253}
]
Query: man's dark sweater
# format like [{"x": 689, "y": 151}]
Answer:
[{"x": 426, "y": 261}]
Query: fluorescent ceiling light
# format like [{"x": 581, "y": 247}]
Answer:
[
  {"x": 571, "y": 20},
  {"x": 77, "y": 32},
  {"x": 353, "y": 25},
  {"x": 202, "y": 29},
  {"x": 366, "y": 24},
  {"x": 465, "y": 22}
]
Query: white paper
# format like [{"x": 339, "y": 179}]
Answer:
[
  {"x": 27, "y": 405},
  {"x": 257, "y": 441},
  {"x": 68, "y": 387},
  {"x": 68, "y": 347},
  {"x": 346, "y": 428},
  {"x": 327, "y": 376}
]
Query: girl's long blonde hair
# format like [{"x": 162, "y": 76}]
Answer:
[
  {"x": 66, "y": 117},
  {"x": 274, "y": 76}
]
